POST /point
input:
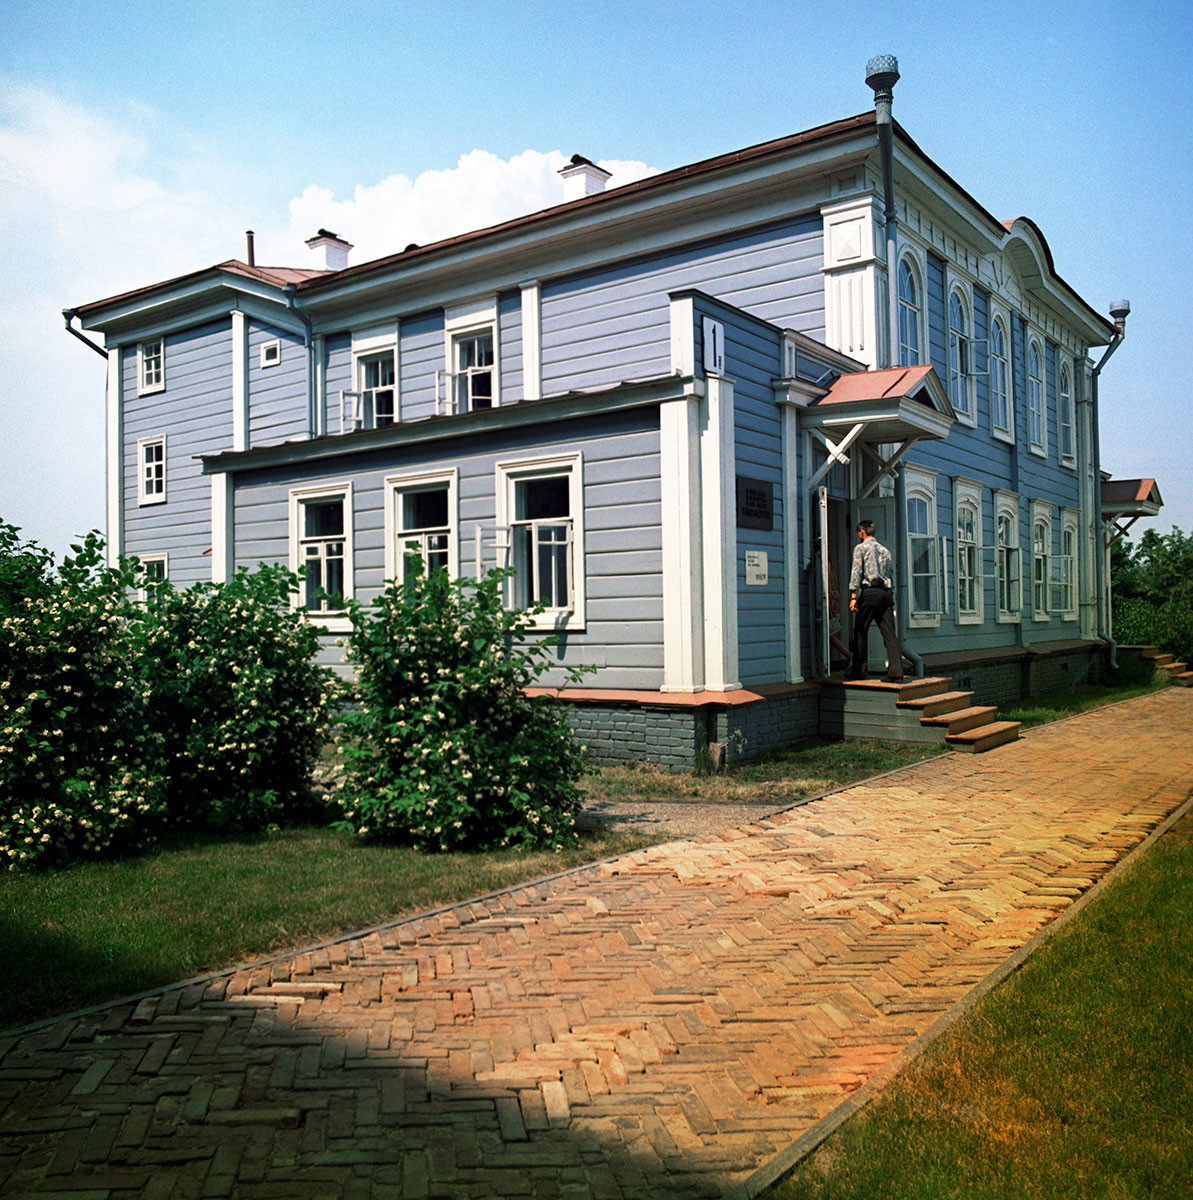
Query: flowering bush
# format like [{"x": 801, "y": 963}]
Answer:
[
  {"x": 80, "y": 772},
  {"x": 236, "y": 697},
  {"x": 198, "y": 707},
  {"x": 445, "y": 749}
]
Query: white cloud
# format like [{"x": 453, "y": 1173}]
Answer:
[{"x": 481, "y": 189}]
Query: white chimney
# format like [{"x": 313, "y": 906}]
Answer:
[
  {"x": 583, "y": 178},
  {"x": 329, "y": 251}
]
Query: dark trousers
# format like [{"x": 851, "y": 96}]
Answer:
[{"x": 875, "y": 604}]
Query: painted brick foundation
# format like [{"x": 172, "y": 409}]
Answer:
[{"x": 1008, "y": 674}]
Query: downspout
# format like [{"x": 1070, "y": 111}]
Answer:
[
  {"x": 1119, "y": 311},
  {"x": 882, "y": 73},
  {"x": 68, "y": 315},
  {"x": 292, "y": 304}
]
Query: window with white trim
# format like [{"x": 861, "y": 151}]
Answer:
[
  {"x": 923, "y": 549},
  {"x": 421, "y": 524},
  {"x": 151, "y": 470},
  {"x": 321, "y": 550},
  {"x": 970, "y": 589},
  {"x": 271, "y": 353},
  {"x": 1064, "y": 569},
  {"x": 473, "y": 366},
  {"x": 1008, "y": 561},
  {"x": 960, "y": 349},
  {"x": 909, "y": 315},
  {"x": 376, "y": 381},
  {"x": 1000, "y": 380},
  {"x": 1036, "y": 431},
  {"x": 151, "y": 366},
  {"x": 540, "y": 514},
  {"x": 155, "y": 568},
  {"x": 1041, "y": 560},
  {"x": 1064, "y": 416}
]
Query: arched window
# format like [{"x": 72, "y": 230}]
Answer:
[
  {"x": 959, "y": 366},
  {"x": 1035, "y": 396},
  {"x": 1000, "y": 394},
  {"x": 1009, "y": 590},
  {"x": 909, "y": 316},
  {"x": 1064, "y": 415}
]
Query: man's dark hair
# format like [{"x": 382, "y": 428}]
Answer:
[{"x": 866, "y": 527}]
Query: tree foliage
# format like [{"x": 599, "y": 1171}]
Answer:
[{"x": 1152, "y": 588}]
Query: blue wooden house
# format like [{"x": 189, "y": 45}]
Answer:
[{"x": 665, "y": 405}]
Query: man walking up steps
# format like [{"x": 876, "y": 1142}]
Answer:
[{"x": 871, "y": 599}]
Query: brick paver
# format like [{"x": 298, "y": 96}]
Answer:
[{"x": 665, "y": 1023}]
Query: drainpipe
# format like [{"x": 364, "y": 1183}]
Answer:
[
  {"x": 68, "y": 315},
  {"x": 1119, "y": 311},
  {"x": 292, "y": 304},
  {"x": 882, "y": 73}
]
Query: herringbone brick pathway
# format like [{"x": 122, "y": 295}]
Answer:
[{"x": 665, "y": 1023}]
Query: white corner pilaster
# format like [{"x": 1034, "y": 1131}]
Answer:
[
  {"x": 719, "y": 536},
  {"x": 683, "y": 336},
  {"x": 240, "y": 382},
  {"x": 318, "y": 422},
  {"x": 115, "y": 448},
  {"x": 792, "y": 511},
  {"x": 532, "y": 341},
  {"x": 222, "y": 539},
  {"x": 683, "y": 608}
]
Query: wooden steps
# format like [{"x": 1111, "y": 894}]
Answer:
[
  {"x": 1178, "y": 672},
  {"x": 919, "y": 710}
]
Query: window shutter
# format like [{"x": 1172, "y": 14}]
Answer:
[{"x": 943, "y": 559}]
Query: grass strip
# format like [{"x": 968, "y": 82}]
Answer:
[
  {"x": 1074, "y": 1078},
  {"x": 96, "y": 931}
]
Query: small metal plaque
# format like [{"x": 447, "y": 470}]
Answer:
[{"x": 755, "y": 503}]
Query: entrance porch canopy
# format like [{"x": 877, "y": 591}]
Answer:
[
  {"x": 1124, "y": 501},
  {"x": 896, "y": 406}
]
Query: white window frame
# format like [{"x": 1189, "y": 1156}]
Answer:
[
  {"x": 998, "y": 319},
  {"x": 151, "y": 366},
  {"x": 1008, "y": 558},
  {"x": 908, "y": 263},
  {"x": 144, "y": 495},
  {"x": 460, "y": 377},
  {"x": 334, "y": 621},
  {"x": 961, "y": 347},
  {"x": 271, "y": 354},
  {"x": 967, "y": 494},
  {"x": 462, "y": 321},
  {"x": 369, "y": 346},
  {"x": 1065, "y": 413},
  {"x": 1064, "y": 569},
  {"x": 1037, "y": 445},
  {"x": 509, "y": 474},
  {"x": 1041, "y": 563},
  {"x": 145, "y": 560},
  {"x": 920, "y": 484},
  {"x": 396, "y": 488}
]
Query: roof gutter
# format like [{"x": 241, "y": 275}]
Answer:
[
  {"x": 68, "y": 315},
  {"x": 1119, "y": 311}
]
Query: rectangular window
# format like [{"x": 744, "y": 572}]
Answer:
[
  {"x": 155, "y": 568},
  {"x": 474, "y": 374},
  {"x": 377, "y": 390},
  {"x": 420, "y": 523},
  {"x": 926, "y": 600},
  {"x": 271, "y": 353},
  {"x": 970, "y": 597},
  {"x": 541, "y": 509},
  {"x": 1008, "y": 565},
  {"x": 151, "y": 471},
  {"x": 1041, "y": 561},
  {"x": 151, "y": 366},
  {"x": 321, "y": 550}
]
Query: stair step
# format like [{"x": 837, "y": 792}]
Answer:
[
  {"x": 1174, "y": 668},
  {"x": 1184, "y": 679},
  {"x": 935, "y": 705},
  {"x": 1161, "y": 660},
  {"x": 962, "y": 719},
  {"x": 984, "y": 737}
]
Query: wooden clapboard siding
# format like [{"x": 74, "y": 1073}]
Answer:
[{"x": 278, "y": 403}]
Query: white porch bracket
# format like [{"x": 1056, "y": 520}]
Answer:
[
  {"x": 836, "y": 453},
  {"x": 887, "y": 467}
]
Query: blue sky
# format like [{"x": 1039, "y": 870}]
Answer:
[{"x": 138, "y": 141}]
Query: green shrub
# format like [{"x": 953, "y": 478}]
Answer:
[
  {"x": 80, "y": 771},
  {"x": 445, "y": 750},
  {"x": 1145, "y": 623},
  {"x": 236, "y": 697}
]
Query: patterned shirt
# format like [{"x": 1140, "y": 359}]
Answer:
[{"x": 871, "y": 563}]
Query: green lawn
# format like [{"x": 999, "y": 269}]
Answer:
[
  {"x": 1074, "y": 1079},
  {"x": 1039, "y": 710}
]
